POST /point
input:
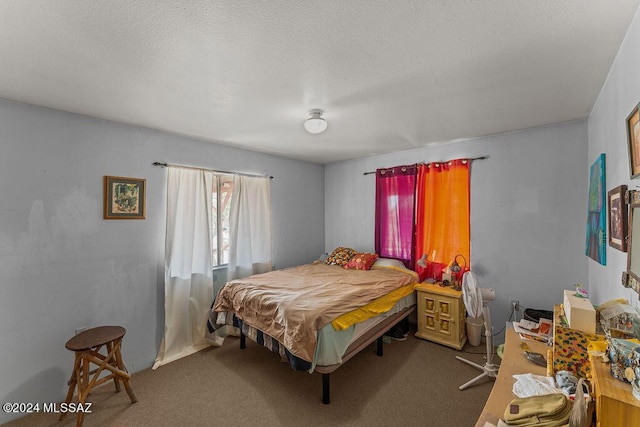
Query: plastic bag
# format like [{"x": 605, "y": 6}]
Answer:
[{"x": 580, "y": 412}]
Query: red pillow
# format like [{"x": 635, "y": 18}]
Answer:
[{"x": 362, "y": 261}]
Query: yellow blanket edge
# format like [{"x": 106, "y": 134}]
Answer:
[{"x": 374, "y": 308}]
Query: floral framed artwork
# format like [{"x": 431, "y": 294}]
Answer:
[
  {"x": 124, "y": 198},
  {"x": 618, "y": 213},
  {"x": 633, "y": 140},
  {"x": 596, "y": 248}
]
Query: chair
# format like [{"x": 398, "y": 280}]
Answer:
[
  {"x": 476, "y": 302},
  {"x": 87, "y": 346}
]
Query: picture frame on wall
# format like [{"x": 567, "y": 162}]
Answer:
[
  {"x": 633, "y": 140},
  {"x": 632, "y": 277},
  {"x": 618, "y": 212},
  {"x": 124, "y": 198}
]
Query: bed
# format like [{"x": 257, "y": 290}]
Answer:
[{"x": 317, "y": 316}]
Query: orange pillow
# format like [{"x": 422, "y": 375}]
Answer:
[{"x": 362, "y": 261}]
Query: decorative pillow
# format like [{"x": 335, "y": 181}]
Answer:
[
  {"x": 341, "y": 256},
  {"x": 362, "y": 261},
  {"x": 389, "y": 262}
]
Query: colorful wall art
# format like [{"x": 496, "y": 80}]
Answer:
[{"x": 596, "y": 247}]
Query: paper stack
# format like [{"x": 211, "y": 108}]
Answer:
[{"x": 535, "y": 331}]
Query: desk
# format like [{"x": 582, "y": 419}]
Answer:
[
  {"x": 615, "y": 405},
  {"x": 513, "y": 362}
]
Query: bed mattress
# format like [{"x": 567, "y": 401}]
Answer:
[{"x": 332, "y": 344}]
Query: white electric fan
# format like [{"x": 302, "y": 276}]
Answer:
[{"x": 476, "y": 302}]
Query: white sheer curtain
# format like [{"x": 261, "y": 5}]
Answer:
[
  {"x": 250, "y": 222},
  {"x": 188, "y": 269}
]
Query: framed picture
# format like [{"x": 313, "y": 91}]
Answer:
[
  {"x": 632, "y": 277},
  {"x": 618, "y": 218},
  {"x": 633, "y": 139},
  {"x": 124, "y": 198},
  {"x": 596, "y": 245}
]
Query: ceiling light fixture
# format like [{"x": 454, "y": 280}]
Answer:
[{"x": 315, "y": 123}]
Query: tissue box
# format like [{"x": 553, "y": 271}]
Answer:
[{"x": 579, "y": 312}]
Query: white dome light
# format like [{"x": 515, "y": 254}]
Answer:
[{"x": 315, "y": 123}]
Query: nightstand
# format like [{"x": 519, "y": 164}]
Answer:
[{"x": 441, "y": 315}]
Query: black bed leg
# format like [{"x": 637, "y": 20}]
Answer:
[
  {"x": 325, "y": 389},
  {"x": 243, "y": 341},
  {"x": 379, "y": 343}
]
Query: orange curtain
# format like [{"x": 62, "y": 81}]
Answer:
[{"x": 443, "y": 216}]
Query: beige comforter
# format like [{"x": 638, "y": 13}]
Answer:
[{"x": 291, "y": 305}]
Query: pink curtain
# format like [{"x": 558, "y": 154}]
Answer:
[{"x": 395, "y": 209}]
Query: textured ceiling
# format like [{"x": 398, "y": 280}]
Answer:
[{"x": 390, "y": 75}]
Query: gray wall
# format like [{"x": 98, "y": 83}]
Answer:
[
  {"x": 528, "y": 210},
  {"x": 607, "y": 134},
  {"x": 63, "y": 267}
]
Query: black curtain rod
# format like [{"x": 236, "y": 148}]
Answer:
[
  {"x": 212, "y": 170},
  {"x": 423, "y": 163}
]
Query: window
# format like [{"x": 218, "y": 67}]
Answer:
[{"x": 221, "y": 204}]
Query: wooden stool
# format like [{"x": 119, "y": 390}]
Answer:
[{"x": 87, "y": 345}]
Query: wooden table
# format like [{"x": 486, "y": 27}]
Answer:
[{"x": 513, "y": 362}]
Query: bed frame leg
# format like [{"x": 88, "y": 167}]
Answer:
[
  {"x": 325, "y": 389},
  {"x": 243, "y": 341},
  {"x": 379, "y": 346}
]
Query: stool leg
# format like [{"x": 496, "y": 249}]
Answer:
[
  {"x": 125, "y": 381},
  {"x": 113, "y": 360},
  {"x": 85, "y": 377},
  {"x": 83, "y": 384},
  {"x": 79, "y": 419},
  {"x": 72, "y": 383}
]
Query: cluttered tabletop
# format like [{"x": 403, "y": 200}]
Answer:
[
  {"x": 514, "y": 362},
  {"x": 572, "y": 370}
]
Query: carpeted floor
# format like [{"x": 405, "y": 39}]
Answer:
[{"x": 415, "y": 383}]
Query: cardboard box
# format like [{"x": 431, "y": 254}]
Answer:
[{"x": 579, "y": 312}]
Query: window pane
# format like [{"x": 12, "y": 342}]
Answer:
[
  {"x": 221, "y": 201},
  {"x": 214, "y": 222},
  {"x": 226, "y": 191}
]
